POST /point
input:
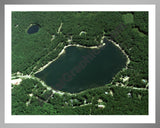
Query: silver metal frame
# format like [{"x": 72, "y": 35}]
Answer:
[{"x": 4, "y": 2}]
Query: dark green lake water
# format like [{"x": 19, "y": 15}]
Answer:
[{"x": 83, "y": 68}]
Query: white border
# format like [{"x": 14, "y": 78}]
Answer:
[{"x": 80, "y": 119}]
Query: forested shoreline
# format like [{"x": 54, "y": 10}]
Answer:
[
  {"x": 30, "y": 52},
  {"x": 32, "y": 98}
]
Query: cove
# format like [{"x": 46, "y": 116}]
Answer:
[
  {"x": 33, "y": 29},
  {"x": 80, "y": 68}
]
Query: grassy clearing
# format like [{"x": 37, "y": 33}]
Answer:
[{"x": 128, "y": 18}]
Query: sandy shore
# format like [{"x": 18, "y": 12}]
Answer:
[
  {"x": 92, "y": 47},
  {"x": 63, "y": 51},
  {"x": 117, "y": 45}
]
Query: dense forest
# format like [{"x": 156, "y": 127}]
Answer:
[
  {"x": 31, "y": 98},
  {"x": 58, "y": 29}
]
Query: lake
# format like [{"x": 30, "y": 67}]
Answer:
[
  {"x": 33, "y": 29},
  {"x": 83, "y": 68}
]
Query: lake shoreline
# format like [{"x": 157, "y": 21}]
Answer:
[
  {"x": 81, "y": 46},
  {"x": 117, "y": 45},
  {"x": 63, "y": 51},
  {"x": 90, "y": 47}
]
